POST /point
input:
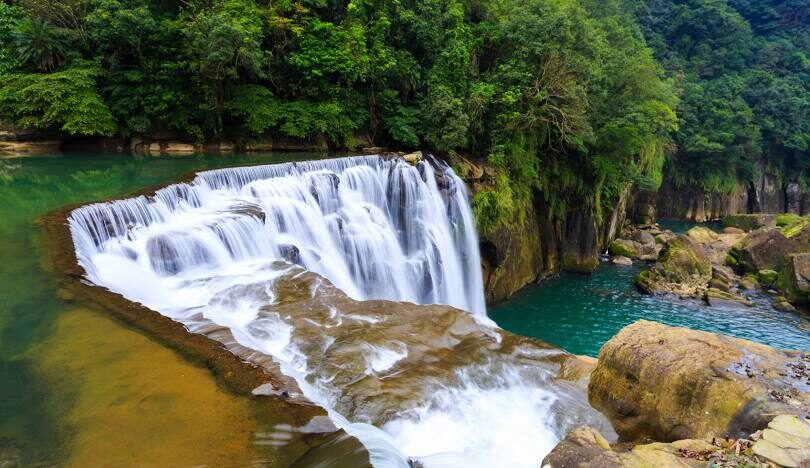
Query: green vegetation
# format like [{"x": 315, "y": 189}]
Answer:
[
  {"x": 563, "y": 97},
  {"x": 743, "y": 68}
]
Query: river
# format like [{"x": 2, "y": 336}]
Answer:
[{"x": 78, "y": 387}]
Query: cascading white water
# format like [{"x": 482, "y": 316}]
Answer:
[
  {"x": 208, "y": 251},
  {"x": 377, "y": 228}
]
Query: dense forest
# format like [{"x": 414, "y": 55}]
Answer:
[{"x": 571, "y": 99}]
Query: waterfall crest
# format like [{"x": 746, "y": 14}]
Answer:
[{"x": 376, "y": 228}]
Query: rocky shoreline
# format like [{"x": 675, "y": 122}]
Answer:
[{"x": 681, "y": 397}]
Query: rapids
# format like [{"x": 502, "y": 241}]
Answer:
[{"x": 299, "y": 262}]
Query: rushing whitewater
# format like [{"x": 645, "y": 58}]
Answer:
[{"x": 298, "y": 262}]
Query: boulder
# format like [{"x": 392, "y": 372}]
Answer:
[
  {"x": 749, "y": 283},
  {"x": 732, "y": 230},
  {"x": 781, "y": 303},
  {"x": 764, "y": 249},
  {"x": 585, "y": 447},
  {"x": 767, "y": 277},
  {"x": 683, "y": 268},
  {"x": 414, "y": 157},
  {"x": 794, "y": 280},
  {"x": 624, "y": 248},
  {"x": 786, "y": 442},
  {"x": 749, "y": 222},
  {"x": 702, "y": 235},
  {"x": 671, "y": 383},
  {"x": 621, "y": 260},
  {"x": 717, "y": 297}
]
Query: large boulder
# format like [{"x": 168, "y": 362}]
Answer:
[
  {"x": 765, "y": 248},
  {"x": 749, "y": 222},
  {"x": 702, "y": 235},
  {"x": 794, "y": 280},
  {"x": 670, "y": 383},
  {"x": 585, "y": 447},
  {"x": 683, "y": 268},
  {"x": 624, "y": 248}
]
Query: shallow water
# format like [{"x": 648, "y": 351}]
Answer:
[
  {"x": 52, "y": 412},
  {"x": 579, "y": 313}
]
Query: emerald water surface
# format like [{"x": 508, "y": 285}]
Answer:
[
  {"x": 60, "y": 381},
  {"x": 579, "y": 312}
]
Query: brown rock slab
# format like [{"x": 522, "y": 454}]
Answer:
[{"x": 671, "y": 383}]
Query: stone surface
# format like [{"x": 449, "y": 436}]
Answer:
[
  {"x": 794, "y": 279},
  {"x": 765, "y": 249},
  {"x": 511, "y": 257},
  {"x": 767, "y": 277},
  {"x": 671, "y": 383},
  {"x": 702, "y": 235},
  {"x": 621, "y": 260},
  {"x": 625, "y": 248},
  {"x": 579, "y": 244},
  {"x": 716, "y": 297},
  {"x": 785, "y": 442},
  {"x": 683, "y": 268},
  {"x": 695, "y": 204},
  {"x": 749, "y": 222}
]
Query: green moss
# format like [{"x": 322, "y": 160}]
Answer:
[
  {"x": 767, "y": 277},
  {"x": 619, "y": 248},
  {"x": 731, "y": 260},
  {"x": 796, "y": 227},
  {"x": 499, "y": 206},
  {"x": 787, "y": 219}
]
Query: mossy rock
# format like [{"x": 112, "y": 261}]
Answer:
[
  {"x": 624, "y": 248},
  {"x": 702, "y": 235},
  {"x": 749, "y": 283},
  {"x": 767, "y": 277},
  {"x": 749, "y": 222},
  {"x": 787, "y": 219},
  {"x": 718, "y": 283},
  {"x": 716, "y": 297},
  {"x": 794, "y": 279},
  {"x": 670, "y": 383},
  {"x": 683, "y": 268}
]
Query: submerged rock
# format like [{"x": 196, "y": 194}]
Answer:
[
  {"x": 671, "y": 383},
  {"x": 719, "y": 298}
]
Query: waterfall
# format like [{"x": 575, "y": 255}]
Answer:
[
  {"x": 377, "y": 228},
  {"x": 250, "y": 250}
]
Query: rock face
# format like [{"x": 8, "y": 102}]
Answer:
[
  {"x": 671, "y": 383},
  {"x": 695, "y": 204},
  {"x": 511, "y": 258},
  {"x": 684, "y": 268},
  {"x": 749, "y": 222},
  {"x": 15, "y": 140},
  {"x": 764, "y": 249},
  {"x": 579, "y": 246},
  {"x": 794, "y": 280},
  {"x": 785, "y": 442},
  {"x": 585, "y": 447}
]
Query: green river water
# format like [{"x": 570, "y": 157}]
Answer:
[{"x": 76, "y": 387}]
